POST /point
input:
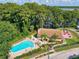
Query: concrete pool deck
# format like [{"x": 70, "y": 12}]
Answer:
[{"x": 12, "y": 55}]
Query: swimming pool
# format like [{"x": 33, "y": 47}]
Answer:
[{"x": 23, "y": 45}]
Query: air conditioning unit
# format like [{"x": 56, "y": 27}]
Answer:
[{"x": 77, "y": 26}]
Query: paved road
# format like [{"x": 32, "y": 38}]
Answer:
[{"x": 62, "y": 54}]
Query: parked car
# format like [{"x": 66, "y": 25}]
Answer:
[{"x": 74, "y": 56}]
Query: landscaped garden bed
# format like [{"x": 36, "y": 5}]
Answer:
[
  {"x": 70, "y": 43},
  {"x": 33, "y": 53}
]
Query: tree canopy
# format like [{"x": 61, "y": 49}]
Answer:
[
  {"x": 7, "y": 30},
  {"x": 29, "y": 17}
]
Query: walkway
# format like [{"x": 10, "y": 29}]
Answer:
[
  {"x": 74, "y": 30},
  {"x": 62, "y": 54}
]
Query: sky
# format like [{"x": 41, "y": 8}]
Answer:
[{"x": 47, "y": 2}]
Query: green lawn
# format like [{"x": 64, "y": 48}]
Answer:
[
  {"x": 66, "y": 47},
  {"x": 32, "y": 53},
  {"x": 71, "y": 43},
  {"x": 20, "y": 37},
  {"x": 72, "y": 40}
]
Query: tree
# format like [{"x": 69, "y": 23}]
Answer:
[
  {"x": 53, "y": 38},
  {"x": 44, "y": 36},
  {"x": 30, "y": 17},
  {"x": 7, "y": 30}
]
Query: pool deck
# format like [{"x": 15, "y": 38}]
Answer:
[{"x": 13, "y": 55}]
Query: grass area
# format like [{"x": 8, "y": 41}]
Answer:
[
  {"x": 20, "y": 37},
  {"x": 42, "y": 50},
  {"x": 32, "y": 53},
  {"x": 74, "y": 39},
  {"x": 71, "y": 43},
  {"x": 16, "y": 39},
  {"x": 74, "y": 33},
  {"x": 66, "y": 47}
]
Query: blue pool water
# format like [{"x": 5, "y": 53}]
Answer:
[{"x": 22, "y": 45}]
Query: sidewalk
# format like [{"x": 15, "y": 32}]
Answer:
[
  {"x": 62, "y": 54},
  {"x": 45, "y": 54}
]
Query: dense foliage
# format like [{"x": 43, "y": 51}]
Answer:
[
  {"x": 6, "y": 33},
  {"x": 29, "y": 17}
]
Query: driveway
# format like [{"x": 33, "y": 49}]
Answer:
[
  {"x": 75, "y": 31},
  {"x": 63, "y": 54}
]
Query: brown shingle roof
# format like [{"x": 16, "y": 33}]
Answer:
[{"x": 50, "y": 32}]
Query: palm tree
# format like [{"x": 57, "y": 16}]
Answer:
[
  {"x": 53, "y": 38},
  {"x": 44, "y": 36}
]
